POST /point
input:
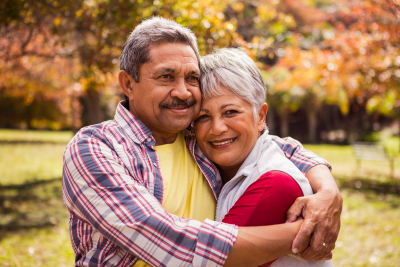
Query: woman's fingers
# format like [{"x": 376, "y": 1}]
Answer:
[
  {"x": 302, "y": 240},
  {"x": 295, "y": 210}
]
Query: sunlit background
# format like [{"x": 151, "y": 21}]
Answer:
[{"x": 332, "y": 70}]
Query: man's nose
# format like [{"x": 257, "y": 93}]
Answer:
[
  {"x": 180, "y": 89},
  {"x": 218, "y": 126}
]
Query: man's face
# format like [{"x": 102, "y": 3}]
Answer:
[{"x": 167, "y": 97}]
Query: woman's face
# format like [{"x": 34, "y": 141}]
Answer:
[{"x": 225, "y": 129}]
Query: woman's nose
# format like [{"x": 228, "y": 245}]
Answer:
[{"x": 218, "y": 126}]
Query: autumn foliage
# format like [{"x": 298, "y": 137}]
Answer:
[{"x": 319, "y": 58}]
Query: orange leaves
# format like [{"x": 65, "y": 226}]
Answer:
[{"x": 57, "y": 21}]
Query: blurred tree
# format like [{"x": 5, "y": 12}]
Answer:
[
  {"x": 95, "y": 31},
  {"x": 311, "y": 52},
  {"x": 322, "y": 51}
]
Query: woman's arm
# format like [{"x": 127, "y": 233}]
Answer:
[
  {"x": 265, "y": 202},
  {"x": 257, "y": 245}
]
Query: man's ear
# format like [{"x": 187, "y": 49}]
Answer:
[
  {"x": 126, "y": 83},
  {"x": 262, "y": 114}
]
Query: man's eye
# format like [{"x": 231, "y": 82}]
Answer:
[
  {"x": 166, "y": 76},
  {"x": 193, "y": 79}
]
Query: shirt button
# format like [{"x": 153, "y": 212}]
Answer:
[
  {"x": 148, "y": 139},
  {"x": 155, "y": 164}
]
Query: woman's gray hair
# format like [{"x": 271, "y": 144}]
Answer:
[
  {"x": 156, "y": 30},
  {"x": 236, "y": 71}
]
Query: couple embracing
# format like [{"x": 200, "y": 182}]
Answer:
[{"x": 187, "y": 175}]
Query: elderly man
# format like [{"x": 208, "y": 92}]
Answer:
[{"x": 136, "y": 189}]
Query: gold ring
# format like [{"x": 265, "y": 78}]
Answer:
[{"x": 325, "y": 245}]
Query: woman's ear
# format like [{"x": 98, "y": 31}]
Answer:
[
  {"x": 262, "y": 114},
  {"x": 126, "y": 83}
]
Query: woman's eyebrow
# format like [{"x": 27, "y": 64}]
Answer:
[{"x": 229, "y": 104}]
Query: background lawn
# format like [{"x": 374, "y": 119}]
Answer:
[{"x": 34, "y": 221}]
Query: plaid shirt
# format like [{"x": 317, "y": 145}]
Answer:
[{"x": 113, "y": 189}]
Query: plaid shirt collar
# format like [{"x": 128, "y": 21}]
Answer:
[
  {"x": 132, "y": 126},
  {"x": 140, "y": 133}
]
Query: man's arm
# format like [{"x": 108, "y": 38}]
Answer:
[
  {"x": 302, "y": 158},
  {"x": 99, "y": 189},
  {"x": 321, "y": 211}
]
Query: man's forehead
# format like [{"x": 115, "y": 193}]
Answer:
[{"x": 172, "y": 52}]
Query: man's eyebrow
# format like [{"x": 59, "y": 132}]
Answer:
[
  {"x": 165, "y": 70},
  {"x": 204, "y": 109},
  {"x": 195, "y": 72}
]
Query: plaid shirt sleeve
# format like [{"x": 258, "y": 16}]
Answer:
[
  {"x": 99, "y": 189},
  {"x": 298, "y": 155}
]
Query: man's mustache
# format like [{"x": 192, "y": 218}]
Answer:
[{"x": 178, "y": 103}]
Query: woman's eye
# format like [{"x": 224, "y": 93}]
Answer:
[
  {"x": 231, "y": 112},
  {"x": 202, "y": 117}
]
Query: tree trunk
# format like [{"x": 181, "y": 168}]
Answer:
[
  {"x": 312, "y": 125},
  {"x": 270, "y": 120},
  {"x": 399, "y": 134},
  {"x": 92, "y": 113},
  {"x": 284, "y": 124}
]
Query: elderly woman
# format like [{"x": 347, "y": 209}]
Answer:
[{"x": 260, "y": 183}]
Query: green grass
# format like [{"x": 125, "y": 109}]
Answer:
[
  {"x": 37, "y": 247},
  {"x": 62, "y": 137},
  {"x": 369, "y": 235},
  {"x": 33, "y": 218},
  {"x": 345, "y": 166},
  {"x": 31, "y": 155},
  {"x": 34, "y": 221}
]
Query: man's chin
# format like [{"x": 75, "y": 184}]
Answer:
[
  {"x": 176, "y": 125},
  {"x": 178, "y": 119}
]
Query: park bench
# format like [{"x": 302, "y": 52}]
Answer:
[{"x": 371, "y": 151}]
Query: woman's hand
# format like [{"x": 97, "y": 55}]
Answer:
[{"x": 299, "y": 221}]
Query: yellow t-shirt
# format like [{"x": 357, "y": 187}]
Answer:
[{"x": 186, "y": 190}]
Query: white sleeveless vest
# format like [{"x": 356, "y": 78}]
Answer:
[{"x": 266, "y": 156}]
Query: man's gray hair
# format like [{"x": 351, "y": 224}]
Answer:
[
  {"x": 154, "y": 31},
  {"x": 236, "y": 71}
]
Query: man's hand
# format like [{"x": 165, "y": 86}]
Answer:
[{"x": 321, "y": 213}]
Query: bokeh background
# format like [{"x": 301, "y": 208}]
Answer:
[{"x": 332, "y": 69}]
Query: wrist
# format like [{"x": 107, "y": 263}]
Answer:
[
  {"x": 331, "y": 192},
  {"x": 321, "y": 179}
]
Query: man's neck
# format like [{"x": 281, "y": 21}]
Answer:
[{"x": 163, "y": 139}]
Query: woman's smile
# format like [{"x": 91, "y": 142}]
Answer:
[
  {"x": 223, "y": 143},
  {"x": 226, "y": 130}
]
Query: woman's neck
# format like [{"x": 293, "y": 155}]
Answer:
[{"x": 227, "y": 173}]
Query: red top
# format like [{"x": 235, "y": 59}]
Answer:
[{"x": 265, "y": 202}]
